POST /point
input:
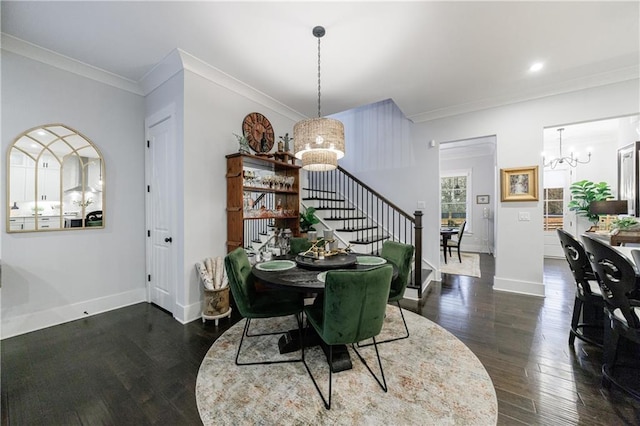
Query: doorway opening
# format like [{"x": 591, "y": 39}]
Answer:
[
  {"x": 468, "y": 192},
  {"x": 607, "y": 140}
]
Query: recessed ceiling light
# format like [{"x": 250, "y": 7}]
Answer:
[{"x": 536, "y": 67}]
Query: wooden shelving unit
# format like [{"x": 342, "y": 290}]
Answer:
[{"x": 261, "y": 192}]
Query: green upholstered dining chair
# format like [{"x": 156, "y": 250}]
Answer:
[
  {"x": 299, "y": 245},
  {"x": 252, "y": 303},
  {"x": 401, "y": 255},
  {"x": 353, "y": 310}
]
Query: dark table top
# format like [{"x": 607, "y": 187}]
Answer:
[{"x": 300, "y": 278}]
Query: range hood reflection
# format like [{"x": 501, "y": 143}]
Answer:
[{"x": 83, "y": 162}]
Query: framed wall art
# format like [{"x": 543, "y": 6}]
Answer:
[
  {"x": 482, "y": 199},
  {"x": 628, "y": 181},
  {"x": 519, "y": 184}
]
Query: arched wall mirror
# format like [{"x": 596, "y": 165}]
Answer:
[{"x": 55, "y": 181}]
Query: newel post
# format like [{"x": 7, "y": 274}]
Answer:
[{"x": 418, "y": 253}]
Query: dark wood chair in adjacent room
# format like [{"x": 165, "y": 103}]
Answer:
[
  {"x": 588, "y": 304},
  {"x": 352, "y": 310},
  {"x": 618, "y": 281},
  {"x": 456, "y": 242},
  {"x": 252, "y": 303}
]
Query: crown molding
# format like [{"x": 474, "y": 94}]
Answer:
[
  {"x": 216, "y": 76},
  {"x": 169, "y": 66},
  {"x": 49, "y": 57},
  {"x": 174, "y": 62},
  {"x": 588, "y": 82}
]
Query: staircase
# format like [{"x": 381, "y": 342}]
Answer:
[{"x": 363, "y": 219}]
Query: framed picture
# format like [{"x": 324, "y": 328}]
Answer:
[
  {"x": 519, "y": 184},
  {"x": 482, "y": 199},
  {"x": 627, "y": 176}
]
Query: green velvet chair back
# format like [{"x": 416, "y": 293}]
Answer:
[
  {"x": 401, "y": 256},
  {"x": 241, "y": 279},
  {"x": 299, "y": 245},
  {"x": 354, "y": 305}
]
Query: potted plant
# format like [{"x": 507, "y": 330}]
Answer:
[
  {"x": 626, "y": 223},
  {"x": 308, "y": 218},
  {"x": 583, "y": 193}
]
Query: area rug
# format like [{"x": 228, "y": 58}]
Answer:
[
  {"x": 432, "y": 377},
  {"x": 470, "y": 264}
]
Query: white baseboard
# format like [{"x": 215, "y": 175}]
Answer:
[
  {"x": 185, "y": 314},
  {"x": 516, "y": 286},
  {"x": 21, "y": 324},
  {"x": 474, "y": 248},
  {"x": 412, "y": 293}
]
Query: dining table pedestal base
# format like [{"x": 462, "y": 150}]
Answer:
[{"x": 290, "y": 342}]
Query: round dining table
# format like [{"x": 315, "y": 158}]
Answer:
[{"x": 306, "y": 276}]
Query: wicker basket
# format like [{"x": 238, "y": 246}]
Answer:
[{"x": 216, "y": 302}]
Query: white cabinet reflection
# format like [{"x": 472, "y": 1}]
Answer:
[{"x": 55, "y": 181}]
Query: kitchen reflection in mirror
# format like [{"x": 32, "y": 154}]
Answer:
[{"x": 55, "y": 181}]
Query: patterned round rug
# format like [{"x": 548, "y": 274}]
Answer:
[{"x": 433, "y": 378}]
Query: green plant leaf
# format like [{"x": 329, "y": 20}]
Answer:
[{"x": 583, "y": 193}]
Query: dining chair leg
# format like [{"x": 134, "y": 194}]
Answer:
[
  {"x": 575, "y": 319},
  {"x": 459, "y": 258},
  {"x": 327, "y": 403},
  {"x": 406, "y": 329},
  {"x": 383, "y": 383},
  {"x": 245, "y": 333},
  {"x": 610, "y": 347}
]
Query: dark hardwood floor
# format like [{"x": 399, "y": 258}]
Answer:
[
  {"x": 137, "y": 366},
  {"x": 523, "y": 343}
]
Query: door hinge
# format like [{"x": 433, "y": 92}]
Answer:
[
  {"x": 148, "y": 233},
  {"x": 148, "y": 144},
  {"x": 149, "y": 277},
  {"x": 148, "y": 188}
]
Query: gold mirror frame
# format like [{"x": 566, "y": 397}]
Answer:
[{"x": 55, "y": 181}]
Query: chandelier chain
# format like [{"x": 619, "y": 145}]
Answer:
[{"x": 319, "y": 77}]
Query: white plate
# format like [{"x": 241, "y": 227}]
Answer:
[
  {"x": 321, "y": 276},
  {"x": 370, "y": 260},
  {"x": 276, "y": 265}
]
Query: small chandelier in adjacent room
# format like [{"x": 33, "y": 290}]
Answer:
[
  {"x": 571, "y": 160},
  {"x": 319, "y": 142}
]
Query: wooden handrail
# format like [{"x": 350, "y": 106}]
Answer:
[
  {"x": 377, "y": 194},
  {"x": 367, "y": 214}
]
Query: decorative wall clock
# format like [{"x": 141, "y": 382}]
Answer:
[{"x": 259, "y": 132}]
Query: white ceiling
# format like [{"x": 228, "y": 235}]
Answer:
[{"x": 432, "y": 58}]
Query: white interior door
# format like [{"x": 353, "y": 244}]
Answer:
[
  {"x": 160, "y": 215},
  {"x": 554, "y": 180}
]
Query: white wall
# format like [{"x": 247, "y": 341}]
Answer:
[
  {"x": 387, "y": 152},
  {"x": 54, "y": 277},
  {"x": 212, "y": 113}
]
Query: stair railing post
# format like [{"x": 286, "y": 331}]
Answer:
[{"x": 418, "y": 252}]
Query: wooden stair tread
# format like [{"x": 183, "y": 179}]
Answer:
[
  {"x": 346, "y": 218},
  {"x": 336, "y": 200},
  {"x": 319, "y": 190},
  {"x": 360, "y": 228},
  {"x": 370, "y": 239},
  {"x": 336, "y": 208}
]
